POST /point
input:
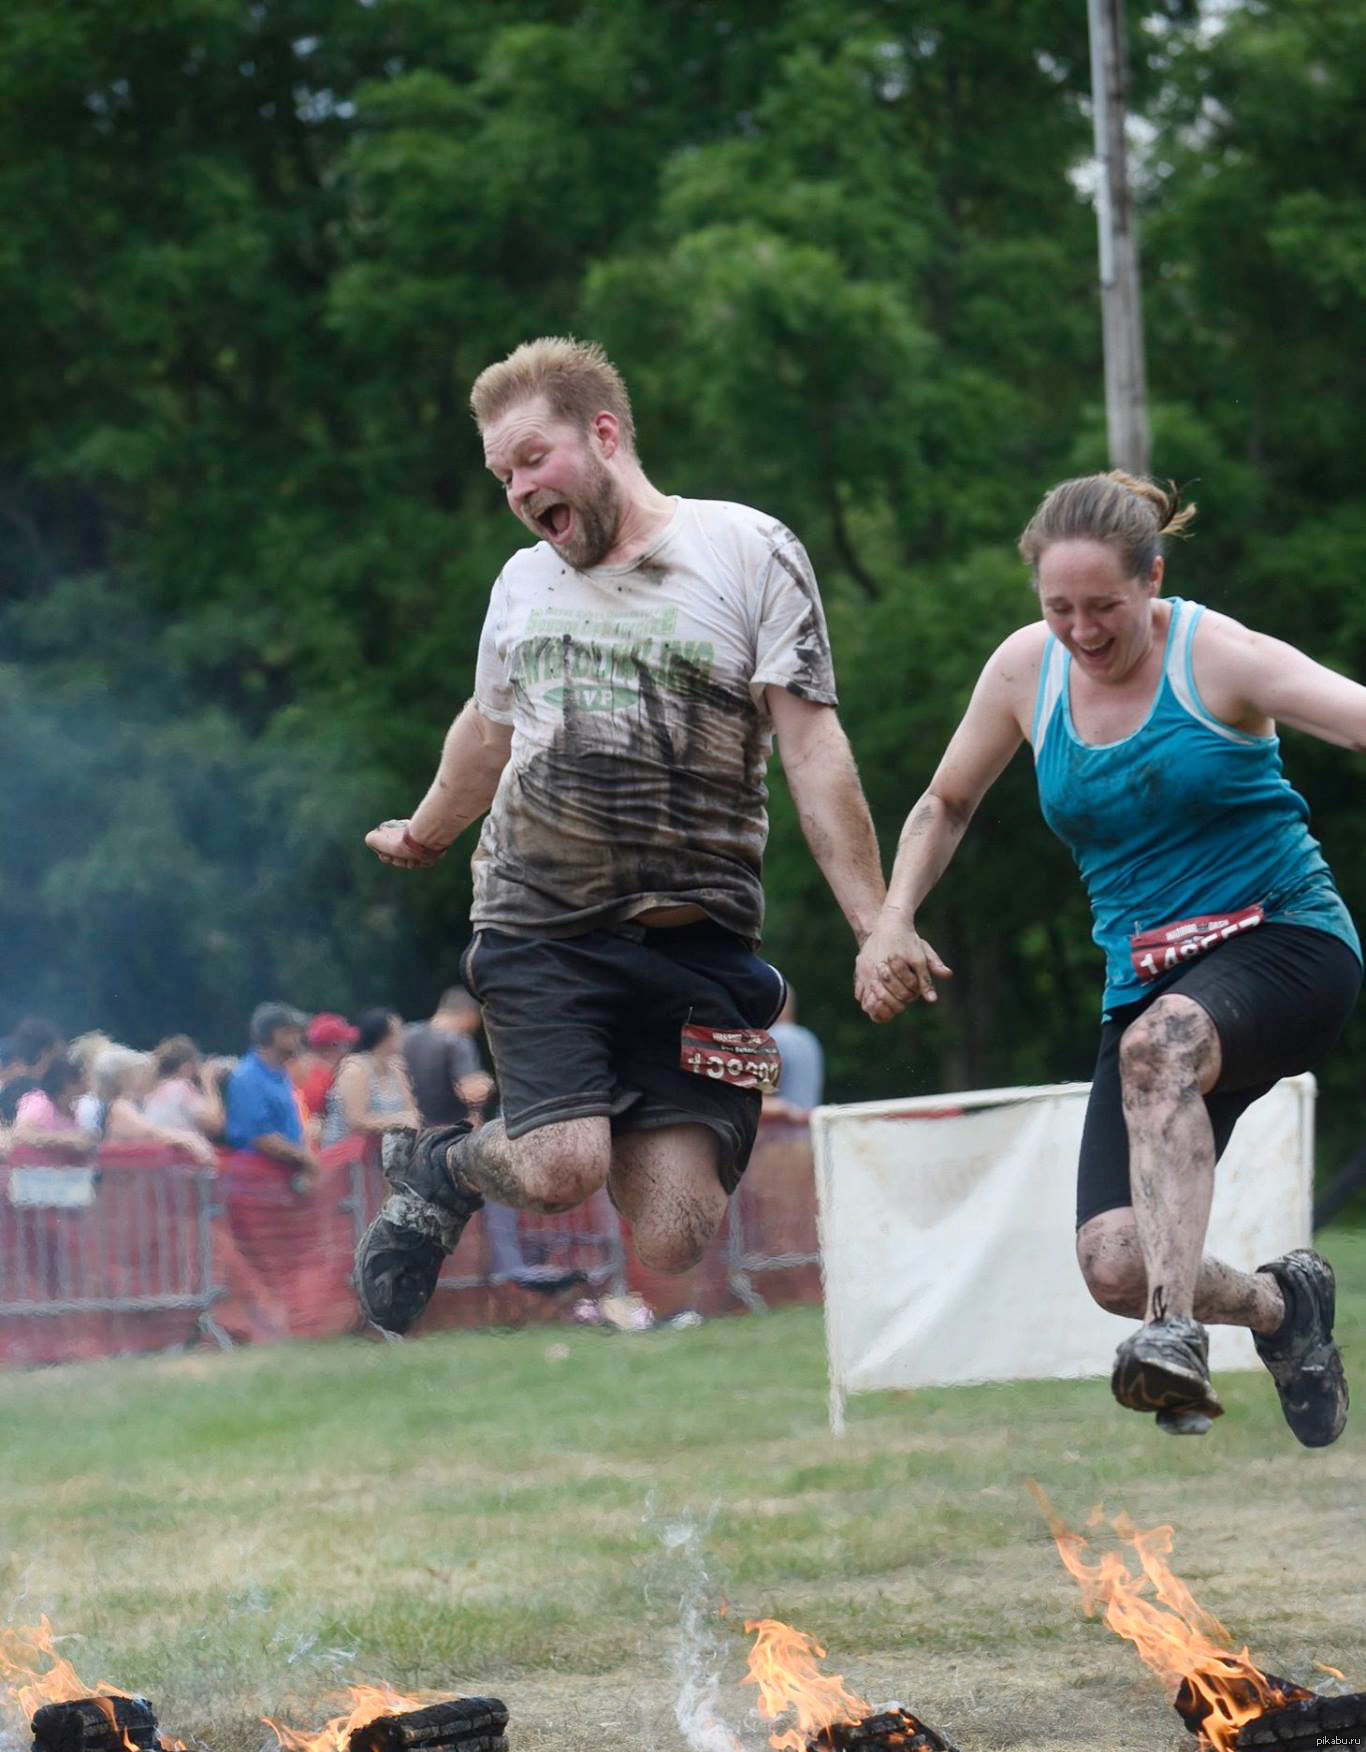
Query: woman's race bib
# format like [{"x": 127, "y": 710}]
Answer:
[{"x": 1157, "y": 951}]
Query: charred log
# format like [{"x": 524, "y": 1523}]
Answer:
[
  {"x": 1313, "y": 1722},
  {"x": 888, "y": 1730},
  {"x": 95, "y": 1724},
  {"x": 469, "y": 1724},
  {"x": 1196, "y": 1709}
]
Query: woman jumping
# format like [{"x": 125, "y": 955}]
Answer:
[{"x": 1230, "y": 958}]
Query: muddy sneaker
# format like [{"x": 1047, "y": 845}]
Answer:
[
  {"x": 401, "y": 1254},
  {"x": 1303, "y": 1360},
  {"x": 1164, "y": 1367},
  {"x": 1186, "y": 1422}
]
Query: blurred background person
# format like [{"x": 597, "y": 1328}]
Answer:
[
  {"x": 261, "y": 1111},
  {"x": 26, "y": 1055},
  {"x": 46, "y": 1116},
  {"x": 444, "y": 1063},
  {"x": 371, "y": 1093},
  {"x": 84, "y": 1050},
  {"x": 327, "y": 1040},
  {"x": 802, "y": 1083},
  {"x": 123, "y": 1080},
  {"x": 450, "y": 1084},
  {"x": 185, "y": 1096}
]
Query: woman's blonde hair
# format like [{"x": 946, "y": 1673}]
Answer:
[
  {"x": 576, "y": 378},
  {"x": 1129, "y": 513},
  {"x": 114, "y": 1068}
]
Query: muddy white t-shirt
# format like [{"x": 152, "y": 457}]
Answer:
[{"x": 640, "y": 735}]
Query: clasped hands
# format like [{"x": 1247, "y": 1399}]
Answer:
[{"x": 895, "y": 967}]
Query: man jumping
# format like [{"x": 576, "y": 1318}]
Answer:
[{"x": 634, "y": 667}]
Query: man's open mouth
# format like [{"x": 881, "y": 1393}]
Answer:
[{"x": 554, "y": 520}]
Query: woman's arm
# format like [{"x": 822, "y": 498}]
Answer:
[
  {"x": 353, "y": 1097},
  {"x": 896, "y": 965},
  {"x": 210, "y": 1115},
  {"x": 126, "y": 1125},
  {"x": 1246, "y": 678}
]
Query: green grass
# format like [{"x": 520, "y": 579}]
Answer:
[{"x": 237, "y": 1535}]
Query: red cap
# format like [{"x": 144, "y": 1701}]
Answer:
[{"x": 327, "y": 1029}]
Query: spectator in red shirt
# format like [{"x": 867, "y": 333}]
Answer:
[{"x": 328, "y": 1038}]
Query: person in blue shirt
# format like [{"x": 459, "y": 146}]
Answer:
[
  {"x": 261, "y": 1112},
  {"x": 802, "y": 1082},
  {"x": 1230, "y": 958}
]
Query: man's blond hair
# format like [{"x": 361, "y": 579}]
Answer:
[{"x": 577, "y": 379}]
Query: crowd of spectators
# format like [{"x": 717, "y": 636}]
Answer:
[
  {"x": 303, "y": 1083},
  {"x": 272, "y": 1123}
]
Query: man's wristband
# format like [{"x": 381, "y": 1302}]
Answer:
[{"x": 423, "y": 854}]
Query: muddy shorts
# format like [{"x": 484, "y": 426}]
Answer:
[
  {"x": 587, "y": 1025},
  {"x": 1279, "y": 997}
]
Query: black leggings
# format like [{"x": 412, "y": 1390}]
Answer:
[{"x": 1279, "y": 997}]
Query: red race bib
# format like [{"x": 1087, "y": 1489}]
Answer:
[
  {"x": 1157, "y": 951},
  {"x": 747, "y": 1057}
]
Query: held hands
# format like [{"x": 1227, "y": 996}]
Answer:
[
  {"x": 392, "y": 843},
  {"x": 895, "y": 967}
]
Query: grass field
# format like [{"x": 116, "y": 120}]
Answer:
[{"x": 237, "y": 1536}]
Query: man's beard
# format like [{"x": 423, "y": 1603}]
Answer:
[{"x": 597, "y": 517}]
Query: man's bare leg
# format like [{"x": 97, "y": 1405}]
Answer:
[
  {"x": 665, "y": 1185},
  {"x": 440, "y": 1178},
  {"x": 550, "y": 1169}
]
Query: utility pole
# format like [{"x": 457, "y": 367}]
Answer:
[{"x": 1126, "y": 388}]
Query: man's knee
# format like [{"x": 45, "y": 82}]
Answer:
[
  {"x": 562, "y": 1165},
  {"x": 676, "y": 1246},
  {"x": 1112, "y": 1264},
  {"x": 1171, "y": 1045}
]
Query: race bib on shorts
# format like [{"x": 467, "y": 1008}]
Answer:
[
  {"x": 1157, "y": 951},
  {"x": 748, "y": 1058}
]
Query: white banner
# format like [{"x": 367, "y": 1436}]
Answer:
[{"x": 947, "y": 1228}]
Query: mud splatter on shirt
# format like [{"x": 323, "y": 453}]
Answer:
[{"x": 640, "y": 733}]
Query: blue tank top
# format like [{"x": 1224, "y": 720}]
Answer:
[{"x": 1187, "y": 817}]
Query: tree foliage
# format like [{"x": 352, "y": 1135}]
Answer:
[{"x": 253, "y": 257}]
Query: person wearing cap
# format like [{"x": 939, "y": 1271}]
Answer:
[
  {"x": 262, "y": 1113},
  {"x": 328, "y": 1038}
]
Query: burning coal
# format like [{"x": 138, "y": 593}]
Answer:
[
  {"x": 828, "y": 1718},
  {"x": 63, "y": 1712},
  {"x": 382, "y": 1720},
  {"x": 1224, "y": 1699}
]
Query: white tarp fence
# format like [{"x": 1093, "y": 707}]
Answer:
[{"x": 947, "y": 1234}]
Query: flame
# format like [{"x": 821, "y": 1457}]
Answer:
[
  {"x": 367, "y": 1702},
  {"x": 782, "y": 1664},
  {"x": 1154, "y": 1610},
  {"x": 25, "y": 1689}
]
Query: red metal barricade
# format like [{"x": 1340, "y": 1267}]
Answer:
[
  {"x": 297, "y": 1244},
  {"x": 104, "y": 1258},
  {"x": 142, "y": 1250}
]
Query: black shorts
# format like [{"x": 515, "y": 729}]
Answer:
[
  {"x": 1279, "y": 997},
  {"x": 589, "y": 1025}
]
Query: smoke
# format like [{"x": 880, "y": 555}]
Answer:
[{"x": 696, "y": 1652}]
